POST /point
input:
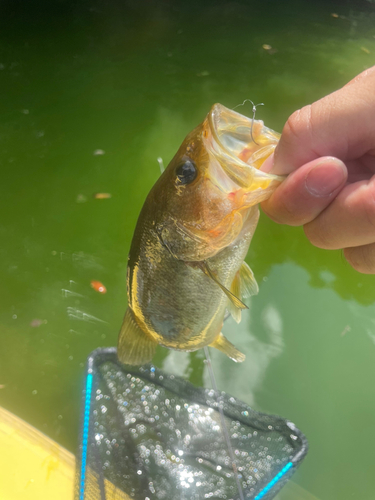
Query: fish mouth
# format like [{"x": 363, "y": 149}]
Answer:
[{"x": 241, "y": 145}]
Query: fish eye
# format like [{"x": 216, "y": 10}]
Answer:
[{"x": 186, "y": 172}]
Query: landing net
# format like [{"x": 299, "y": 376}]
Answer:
[{"x": 150, "y": 435}]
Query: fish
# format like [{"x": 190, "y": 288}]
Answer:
[{"x": 186, "y": 266}]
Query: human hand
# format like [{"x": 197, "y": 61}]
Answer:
[{"x": 328, "y": 150}]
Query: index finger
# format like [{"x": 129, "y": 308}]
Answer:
[{"x": 341, "y": 124}]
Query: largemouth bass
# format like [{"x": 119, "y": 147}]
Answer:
[{"x": 186, "y": 263}]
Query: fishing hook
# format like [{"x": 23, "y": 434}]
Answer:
[{"x": 252, "y": 121}]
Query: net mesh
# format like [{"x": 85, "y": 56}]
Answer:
[{"x": 147, "y": 434}]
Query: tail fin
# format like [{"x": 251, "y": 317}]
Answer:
[{"x": 135, "y": 347}]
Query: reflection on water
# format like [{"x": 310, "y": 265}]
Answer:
[
  {"x": 131, "y": 79},
  {"x": 327, "y": 268},
  {"x": 246, "y": 378},
  {"x": 292, "y": 491},
  {"x": 366, "y": 315}
]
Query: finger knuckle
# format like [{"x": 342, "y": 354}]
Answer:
[
  {"x": 369, "y": 206},
  {"x": 282, "y": 212},
  {"x": 318, "y": 237},
  {"x": 297, "y": 124},
  {"x": 271, "y": 213},
  {"x": 362, "y": 258},
  {"x": 289, "y": 214}
]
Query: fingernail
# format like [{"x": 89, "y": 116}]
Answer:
[
  {"x": 277, "y": 167},
  {"x": 327, "y": 176},
  {"x": 267, "y": 164}
]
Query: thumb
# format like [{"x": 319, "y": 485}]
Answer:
[{"x": 306, "y": 192}]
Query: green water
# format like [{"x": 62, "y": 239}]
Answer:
[{"x": 132, "y": 79}]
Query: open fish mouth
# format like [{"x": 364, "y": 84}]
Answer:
[{"x": 241, "y": 145}]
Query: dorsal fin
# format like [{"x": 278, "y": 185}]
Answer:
[{"x": 135, "y": 347}]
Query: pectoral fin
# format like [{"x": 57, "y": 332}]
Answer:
[
  {"x": 222, "y": 344},
  {"x": 236, "y": 291},
  {"x": 234, "y": 300},
  {"x": 134, "y": 346}
]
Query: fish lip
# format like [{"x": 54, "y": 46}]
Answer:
[
  {"x": 212, "y": 120},
  {"x": 221, "y": 119}
]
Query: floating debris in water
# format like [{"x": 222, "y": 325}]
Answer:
[
  {"x": 35, "y": 323},
  {"x": 2, "y": 386},
  {"x": 74, "y": 332},
  {"x": 98, "y": 286},
  {"x": 99, "y": 152},
  {"x": 268, "y": 48},
  {"x": 75, "y": 313},
  {"x": 85, "y": 260},
  {"x": 346, "y": 330},
  {"x": 102, "y": 196},
  {"x": 69, "y": 293},
  {"x": 81, "y": 198},
  {"x": 25, "y": 111},
  {"x": 2, "y": 66},
  {"x": 203, "y": 73},
  {"x": 365, "y": 50},
  {"x": 334, "y": 15}
]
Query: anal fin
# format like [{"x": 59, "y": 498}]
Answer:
[
  {"x": 222, "y": 344},
  {"x": 134, "y": 346}
]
